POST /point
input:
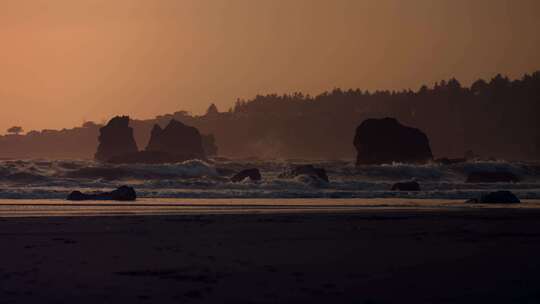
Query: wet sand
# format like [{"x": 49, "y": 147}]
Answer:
[
  {"x": 362, "y": 255},
  {"x": 151, "y": 206}
]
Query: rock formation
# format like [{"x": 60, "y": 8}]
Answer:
[
  {"x": 115, "y": 139},
  {"x": 309, "y": 170},
  {"x": 176, "y": 143},
  {"x": 253, "y": 174},
  {"x": 124, "y": 193},
  {"x": 176, "y": 139},
  {"x": 380, "y": 141},
  {"x": 497, "y": 197}
]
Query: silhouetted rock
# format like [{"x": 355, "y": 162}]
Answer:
[
  {"x": 450, "y": 161},
  {"x": 254, "y": 174},
  {"x": 115, "y": 139},
  {"x": 498, "y": 197},
  {"x": 309, "y": 170},
  {"x": 123, "y": 193},
  {"x": 176, "y": 143},
  {"x": 176, "y": 139},
  {"x": 77, "y": 196},
  {"x": 406, "y": 186},
  {"x": 492, "y": 177},
  {"x": 380, "y": 141}
]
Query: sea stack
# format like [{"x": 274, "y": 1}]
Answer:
[
  {"x": 176, "y": 143},
  {"x": 380, "y": 141},
  {"x": 176, "y": 139},
  {"x": 115, "y": 139}
]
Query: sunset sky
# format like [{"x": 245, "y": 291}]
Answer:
[{"x": 63, "y": 62}]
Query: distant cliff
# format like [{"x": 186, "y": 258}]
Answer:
[{"x": 495, "y": 118}]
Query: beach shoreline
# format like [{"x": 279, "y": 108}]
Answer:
[
  {"x": 164, "y": 206},
  {"x": 371, "y": 255}
]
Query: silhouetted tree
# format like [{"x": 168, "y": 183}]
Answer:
[
  {"x": 212, "y": 110},
  {"x": 498, "y": 117},
  {"x": 15, "y": 130}
]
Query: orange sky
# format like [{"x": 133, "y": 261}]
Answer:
[{"x": 64, "y": 61}]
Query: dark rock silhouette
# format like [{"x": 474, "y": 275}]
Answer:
[
  {"x": 254, "y": 174},
  {"x": 498, "y": 197},
  {"x": 123, "y": 193},
  {"x": 115, "y": 139},
  {"x": 309, "y": 170},
  {"x": 177, "y": 139},
  {"x": 492, "y": 177},
  {"x": 380, "y": 141},
  {"x": 406, "y": 186},
  {"x": 176, "y": 143}
]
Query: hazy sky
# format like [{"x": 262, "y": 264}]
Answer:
[{"x": 64, "y": 61}]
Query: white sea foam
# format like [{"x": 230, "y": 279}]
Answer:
[{"x": 199, "y": 179}]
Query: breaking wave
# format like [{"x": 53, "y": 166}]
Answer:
[{"x": 43, "y": 178}]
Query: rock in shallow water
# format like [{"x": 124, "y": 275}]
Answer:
[
  {"x": 497, "y": 197},
  {"x": 308, "y": 170},
  {"x": 116, "y": 138},
  {"x": 176, "y": 139},
  {"x": 253, "y": 174},
  {"x": 381, "y": 141},
  {"x": 176, "y": 143},
  {"x": 123, "y": 193}
]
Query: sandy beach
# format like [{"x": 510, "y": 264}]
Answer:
[{"x": 256, "y": 253}]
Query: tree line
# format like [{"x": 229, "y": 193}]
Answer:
[{"x": 494, "y": 118}]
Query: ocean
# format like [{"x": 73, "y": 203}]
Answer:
[{"x": 55, "y": 179}]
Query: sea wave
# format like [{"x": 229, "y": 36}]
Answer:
[{"x": 43, "y": 178}]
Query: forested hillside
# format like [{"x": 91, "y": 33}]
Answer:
[{"x": 493, "y": 118}]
